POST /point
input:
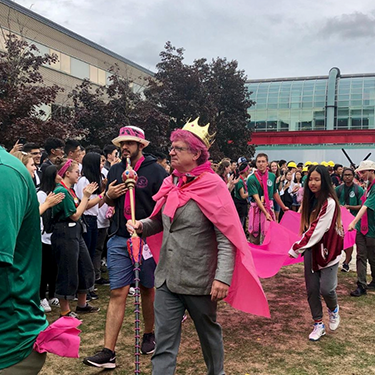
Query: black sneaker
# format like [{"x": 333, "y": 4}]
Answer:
[
  {"x": 70, "y": 314},
  {"x": 371, "y": 285},
  {"x": 148, "y": 343},
  {"x": 102, "y": 281},
  {"x": 345, "y": 267},
  {"x": 360, "y": 291},
  {"x": 92, "y": 295},
  {"x": 104, "y": 359},
  {"x": 87, "y": 309}
]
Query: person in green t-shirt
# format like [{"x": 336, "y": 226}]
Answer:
[
  {"x": 261, "y": 201},
  {"x": 240, "y": 193},
  {"x": 21, "y": 318},
  {"x": 364, "y": 223},
  {"x": 349, "y": 195},
  {"x": 75, "y": 271}
]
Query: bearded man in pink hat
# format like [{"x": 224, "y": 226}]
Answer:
[{"x": 131, "y": 142}]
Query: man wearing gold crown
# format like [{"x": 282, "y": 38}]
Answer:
[{"x": 197, "y": 262}]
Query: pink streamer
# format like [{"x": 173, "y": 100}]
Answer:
[
  {"x": 60, "y": 338},
  {"x": 273, "y": 253}
]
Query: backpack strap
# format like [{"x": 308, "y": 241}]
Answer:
[{"x": 339, "y": 190}]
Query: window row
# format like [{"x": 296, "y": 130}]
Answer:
[{"x": 313, "y": 124}]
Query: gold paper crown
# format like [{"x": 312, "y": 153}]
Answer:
[{"x": 200, "y": 131}]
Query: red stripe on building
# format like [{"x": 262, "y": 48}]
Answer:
[{"x": 313, "y": 137}]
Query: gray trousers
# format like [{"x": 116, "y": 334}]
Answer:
[
  {"x": 169, "y": 310},
  {"x": 322, "y": 282},
  {"x": 365, "y": 250}
]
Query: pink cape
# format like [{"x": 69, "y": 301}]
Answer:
[
  {"x": 213, "y": 198},
  {"x": 61, "y": 338},
  {"x": 273, "y": 253}
]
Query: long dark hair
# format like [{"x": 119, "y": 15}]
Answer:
[
  {"x": 221, "y": 168},
  {"x": 91, "y": 169},
  {"x": 310, "y": 213},
  {"x": 277, "y": 174},
  {"x": 295, "y": 176},
  {"x": 48, "y": 181}
]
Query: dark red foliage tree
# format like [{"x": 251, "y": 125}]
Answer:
[
  {"x": 22, "y": 93},
  {"x": 215, "y": 91}
]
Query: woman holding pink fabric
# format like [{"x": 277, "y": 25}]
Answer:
[{"x": 321, "y": 244}]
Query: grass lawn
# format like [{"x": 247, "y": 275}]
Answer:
[{"x": 253, "y": 345}]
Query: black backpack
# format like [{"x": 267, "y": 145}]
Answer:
[{"x": 48, "y": 222}]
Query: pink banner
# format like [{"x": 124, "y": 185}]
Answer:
[{"x": 273, "y": 253}]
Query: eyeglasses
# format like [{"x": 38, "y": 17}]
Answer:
[
  {"x": 36, "y": 153},
  {"x": 348, "y": 175},
  {"x": 178, "y": 149}
]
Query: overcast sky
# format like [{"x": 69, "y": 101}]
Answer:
[{"x": 269, "y": 38}]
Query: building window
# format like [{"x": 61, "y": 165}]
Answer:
[
  {"x": 101, "y": 77},
  {"x": 56, "y": 65},
  {"x": 319, "y": 125},
  {"x": 284, "y": 126},
  {"x": 79, "y": 69},
  {"x": 356, "y": 123},
  {"x": 260, "y": 126},
  {"x": 304, "y": 125},
  {"x": 97, "y": 75},
  {"x": 65, "y": 63},
  {"x": 272, "y": 126},
  {"x": 93, "y": 74},
  {"x": 342, "y": 123}
]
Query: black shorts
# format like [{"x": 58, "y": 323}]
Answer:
[{"x": 75, "y": 271}]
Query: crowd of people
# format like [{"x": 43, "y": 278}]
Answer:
[{"x": 84, "y": 223}]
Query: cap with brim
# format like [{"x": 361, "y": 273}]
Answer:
[
  {"x": 366, "y": 165},
  {"x": 130, "y": 133}
]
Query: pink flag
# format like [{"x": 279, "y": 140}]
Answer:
[
  {"x": 60, "y": 338},
  {"x": 292, "y": 220},
  {"x": 273, "y": 253}
]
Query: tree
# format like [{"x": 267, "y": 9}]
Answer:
[
  {"x": 215, "y": 91},
  {"x": 100, "y": 112},
  {"x": 22, "y": 93}
]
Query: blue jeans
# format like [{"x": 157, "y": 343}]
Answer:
[
  {"x": 120, "y": 267},
  {"x": 91, "y": 237}
]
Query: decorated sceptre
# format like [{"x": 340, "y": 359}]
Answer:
[{"x": 135, "y": 245}]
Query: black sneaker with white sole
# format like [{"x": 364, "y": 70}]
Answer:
[
  {"x": 104, "y": 359},
  {"x": 88, "y": 309},
  {"x": 148, "y": 343}
]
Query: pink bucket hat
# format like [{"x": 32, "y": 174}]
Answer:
[{"x": 131, "y": 133}]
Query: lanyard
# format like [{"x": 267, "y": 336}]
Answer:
[{"x": 72, "y": 193}]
